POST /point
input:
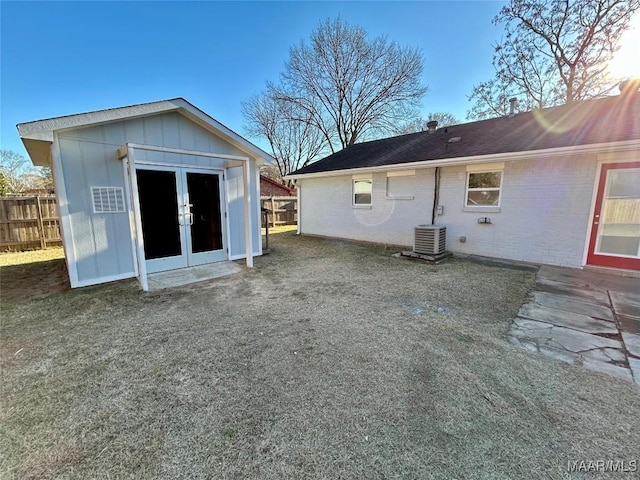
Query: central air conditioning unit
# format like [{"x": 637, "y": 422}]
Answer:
[{"x": 430, "y": 239}]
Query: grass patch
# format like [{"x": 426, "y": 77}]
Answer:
[
  {"x": 327, "y": 360},
  {"x": 30, "y": 256},
  {"x": 280, "y": 229}
]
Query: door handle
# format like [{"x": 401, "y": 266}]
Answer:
[{"x": 187, "y": 212}]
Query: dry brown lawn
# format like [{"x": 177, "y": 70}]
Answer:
[{"x": 328, "y": 360}]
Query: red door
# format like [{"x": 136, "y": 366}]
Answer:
[{"x": 615, "y": 232}]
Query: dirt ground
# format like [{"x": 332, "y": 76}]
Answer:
[
  {"x": 327, "y": 360},
  {"x": 35, "y": 274}
]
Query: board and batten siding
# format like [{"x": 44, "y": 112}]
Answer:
[
  {"x": 543, "y": 217},
  {"x": 101, "y": 243}
]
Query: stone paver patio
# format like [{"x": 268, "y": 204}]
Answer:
[{"x": 583, "y": 317}]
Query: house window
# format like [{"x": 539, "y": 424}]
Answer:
[
  {"x": 400, "y": 185},
  {"x": 483, "y": 189},
  {"x": 362, "y": 191}
]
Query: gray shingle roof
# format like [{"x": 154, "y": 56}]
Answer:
[{"x": 603, "y": 120}]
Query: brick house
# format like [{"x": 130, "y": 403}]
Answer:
[
  {"x": 271, "y": 188},
  {"x": 557, "y": 186}
]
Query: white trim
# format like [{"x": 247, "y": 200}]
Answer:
[
  {"x": 401, "y": 173},
  {"x": 361, "y": 176},
  {"x": 258, "y": 206},
  {"x": 240, "y": 256},
  {"x": 176, "y": 165},
  {"x": 63, "y": 212},
  {"x": 488, "y": 189},
  {"x": 485, "y": 167},
  {"x": 180, "y": 151},
  {"x": 45, "y": 129},
  {"x": 108, "y": 278},
  {"x": 248, "y": 234},
  {"x": 142, "y": 266},
  {"x": 299, "y": 206},
  {"x": 509, "y": 156},
  {"x": 614, "y": 157},
  {"x": 227, "y": 220},
  {"x": 130, "y": 215}
]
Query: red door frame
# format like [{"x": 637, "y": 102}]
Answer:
[{"x": 596, "y": 258}]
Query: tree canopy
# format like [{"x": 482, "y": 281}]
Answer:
[
  {"x": 444, "y": 119},
  {"x": 553, "y": 52},
  {"x": 18, "y": 175},
  {"x": 341, "y": 86}
]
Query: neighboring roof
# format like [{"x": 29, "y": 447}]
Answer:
[
  {"x": 590, "y": 122},
  {"x": 37, "y": 135},
  {"x": 291, "y": 191}
]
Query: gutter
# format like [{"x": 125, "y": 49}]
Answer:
[{"x": 469, "y": 160}]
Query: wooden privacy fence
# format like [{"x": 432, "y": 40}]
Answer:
[
  {"x": 29, "y": 222},
  {"x": 282, "y": 210}
]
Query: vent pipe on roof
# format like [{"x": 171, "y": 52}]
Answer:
[
  {"x": 432, "y": 125},
  {"x": 512, "y": 106}
]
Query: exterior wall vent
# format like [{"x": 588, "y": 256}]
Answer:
[
  {"x": 430, "y": 239},
  {"x": 107, "y": 199}
]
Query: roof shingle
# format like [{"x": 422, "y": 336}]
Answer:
[{"x": 602, "y": 120}]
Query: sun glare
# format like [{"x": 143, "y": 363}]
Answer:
[{"x": 626, "y": 62}]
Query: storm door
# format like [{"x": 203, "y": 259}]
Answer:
[{"x": 182, "y": 215}]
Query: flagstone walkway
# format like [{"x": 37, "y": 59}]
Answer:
[{"x": 583, "y": 317}]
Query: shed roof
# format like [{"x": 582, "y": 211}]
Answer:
[
  {"x": 37, "y": 136},
  {"x": 605, "y": 120}
]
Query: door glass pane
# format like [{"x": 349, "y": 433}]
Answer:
[
  {"x": 619, "y": 232},
  {"x": 204, "y": 196},
  {"x": 159, "y": 213}
]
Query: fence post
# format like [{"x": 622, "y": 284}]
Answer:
[
  {"x": 43, "y": 240},
  {"x": 273, "y": 212}
]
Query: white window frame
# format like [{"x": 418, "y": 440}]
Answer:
[
  {"x": 401, "y": 173},
  {"x": 360, "y": 178},
  {"x": 489, "y": 189}
]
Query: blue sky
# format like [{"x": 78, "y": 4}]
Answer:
[{"x": 60, "y": 58}]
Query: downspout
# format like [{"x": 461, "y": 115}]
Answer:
[
  {"x": 299, "y": 206},
  {"x": 436, "y": 194}
]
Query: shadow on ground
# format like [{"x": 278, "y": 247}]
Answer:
[{"x": 21, "y": 283}]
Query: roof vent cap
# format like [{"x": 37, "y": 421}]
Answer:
[
  {"x": 513, "y": 101},
  {"x": 432, "y": 125}
]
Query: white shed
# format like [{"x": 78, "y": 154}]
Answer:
[{"x": 149, "y": 188}]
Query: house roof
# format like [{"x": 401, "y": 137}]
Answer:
[
  {"x": 607, "y": 120},
  {"x": 38, "y": 135}
]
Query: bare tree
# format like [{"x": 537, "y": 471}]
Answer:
[
  {"x": 444, "y": 119},
  {"x": 350, "y": 86},
  {"x": 293, "y": 139},
  {"x": 17, "y": 174},
  {"x": 553, "y": 52}
]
